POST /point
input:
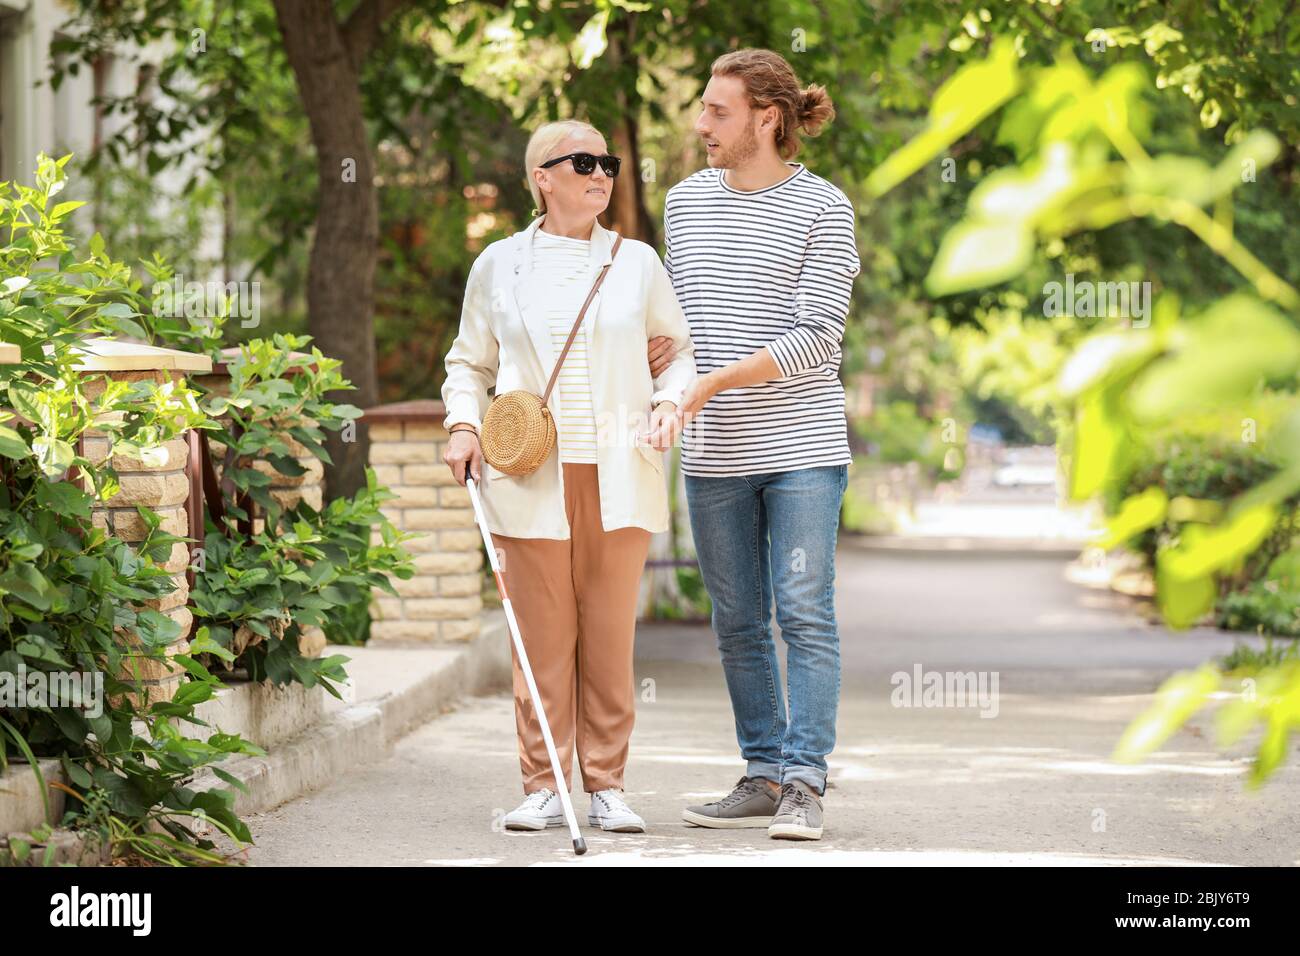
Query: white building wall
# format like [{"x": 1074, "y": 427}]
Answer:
[{"x": 34, "y": 117}]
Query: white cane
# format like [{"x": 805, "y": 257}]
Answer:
[{"x": 579, "y": 844}]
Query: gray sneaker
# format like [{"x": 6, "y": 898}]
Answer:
[
  {"x": 799, "y": 817},
  {"x": 750, "y": 804}
]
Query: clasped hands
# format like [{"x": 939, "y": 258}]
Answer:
[{"x": 668, "y": 420}]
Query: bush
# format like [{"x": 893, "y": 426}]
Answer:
[
  {"x": 1209, "y": 463},
  {"x": 1262, "y": 607},
  {"x": 69, "y": 592},
  {"x": 1205, "y": 468},
  {"x": 897, "y": 433},
  {"x": 1270, "y": 606},
  {"x": 305, "y": 568}
]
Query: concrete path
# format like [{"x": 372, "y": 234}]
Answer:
[{"x": 910, "y": 785}]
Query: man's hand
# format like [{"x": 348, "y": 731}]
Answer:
[
  {"x": 665, "y": 426},
  {"x": 463, "y": 450},
  {"x": 753, "y": 369},
  {"x": 697, "y": 395},
  {"x": 660, "y": 351}
]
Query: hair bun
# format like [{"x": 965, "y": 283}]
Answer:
[{"x": 816, "y": 109}]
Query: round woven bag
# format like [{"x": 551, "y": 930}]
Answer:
[{"x": 518, "y": 433}]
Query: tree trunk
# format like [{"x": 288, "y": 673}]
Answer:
[
  {"x": 344, "y": 251},
  {"x": 627, "y": 213}
]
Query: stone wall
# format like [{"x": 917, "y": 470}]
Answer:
[{"x": 443, "y": 599}]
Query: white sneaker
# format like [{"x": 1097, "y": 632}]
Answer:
[
  {"x": 609, "y": 812},
  {"x": 540, "y": 809}
]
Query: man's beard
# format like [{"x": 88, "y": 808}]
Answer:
[{"x": 742, "y": 152}]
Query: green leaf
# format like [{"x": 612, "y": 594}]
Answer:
[
  {"x": 1204, "y": 550},
  {"x": 1112, "y": 105},
  {"x": 117, "y": 310},
  {"x": 1235, "y": 346},
  {"x": 1023, "y": 119},
  {"x": 590, "y": 42},
  {"x": 26, "y": 582},
  {"x": 12, "y": 444},
  {"x": 1098, "y": 450},
  {"x": 1015, "y": 193},
  {"x": 123, "y": 795},
  {"x": 1178, "y": 699},
  {"x": 101, "y": 727},
  {"x": 1192, "y": 179},
  {"x": 230, "y": 779},
  {"x": 192, "y": 692},
  {"x": 1272, "y": 749},
  {"x": 1183, "y": 601},
  {"x": 204, "y": 644},
  {"x": 54, "y": 455},
  {"x": 64, "y": 498},
  {"x": 1141, "y": 511},
  {"x": 334, "y": 595},
  {"x": 76, "y": 773},
  {"x": 25, "y": 399},
  {"x": 1106, "y": 358},
  {"x": 1182, "y": 177},
  {"x": 320, "y": 572},
  {"x": 971, "y": 94},
  {"x": 1258, "y": 150},
  {"x": 63, "y": 208},
  {"x": 156, "y": 629},
  {"x": 978, "y": 254}
]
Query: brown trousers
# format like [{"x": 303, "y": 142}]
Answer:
[{"x": 576, "y": 605}]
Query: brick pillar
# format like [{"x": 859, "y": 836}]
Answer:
[
  {"x": 161, "y": 486},
  {"x": 442, "y": 601}
]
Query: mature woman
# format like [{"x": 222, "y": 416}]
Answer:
[{"x": 574, "y": 534}]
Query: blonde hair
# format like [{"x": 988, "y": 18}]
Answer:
[
  {"x": 770, "y": 81},
  {"x": 543, "y": 145}
]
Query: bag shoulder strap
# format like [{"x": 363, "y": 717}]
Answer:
[{"x": 555, "y": 373}]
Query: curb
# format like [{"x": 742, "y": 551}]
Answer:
[
  {"x": 1035, "y": 547},
  {"x": 21, "y": 807},
  {"x": 415, "y": 683}
]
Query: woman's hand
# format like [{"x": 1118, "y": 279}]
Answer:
[
  {"x": 463, "y": 450},
  {"x": 664, "y": 427}
]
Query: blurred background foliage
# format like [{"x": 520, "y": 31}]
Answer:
[
  {"x": 1090, "y": 138},
  {"x": 1184, "y": 416},
  {"x": 457, "y": 86}
]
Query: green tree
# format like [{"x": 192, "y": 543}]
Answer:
[{"x": 1083, "y": 167}]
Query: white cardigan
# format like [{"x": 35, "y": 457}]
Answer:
[{"x": 504, "y": 342}]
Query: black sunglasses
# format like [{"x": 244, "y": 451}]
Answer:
[{"x": 584, "y": 164}]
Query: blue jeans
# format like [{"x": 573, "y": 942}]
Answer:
[{"x": 759, "y": 536}]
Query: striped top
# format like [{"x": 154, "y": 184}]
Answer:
[
  {"x": 563, "y": 265},
  {"x": 772, "y": 268}
]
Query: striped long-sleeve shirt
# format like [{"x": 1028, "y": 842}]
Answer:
[{"x": 770, "y": 268}]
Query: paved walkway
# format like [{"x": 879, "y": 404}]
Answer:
[{"x": 1032, "y": 784}]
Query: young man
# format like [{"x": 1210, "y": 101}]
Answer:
[{"x": 762, "y": 255}]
